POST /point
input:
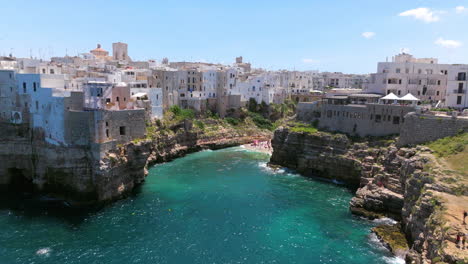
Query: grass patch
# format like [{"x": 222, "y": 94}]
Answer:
[
  {"x": 304, "y": 128},
  {"x": 454, "y": 151},
  {"x": 450, "y": 145}
]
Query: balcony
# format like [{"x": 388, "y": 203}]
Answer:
[
  {"x": 458, "y": 78},
  {"x": 459, "y": 91}
]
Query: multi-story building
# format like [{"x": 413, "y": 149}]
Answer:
[
  {"x": 423, "y": 78},
  {"x": 457, "y": 87}
]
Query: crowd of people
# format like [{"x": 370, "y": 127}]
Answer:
[{"x": 261, "y": 146}]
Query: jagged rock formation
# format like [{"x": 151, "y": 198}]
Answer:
[{"x": 392, "y": 181}]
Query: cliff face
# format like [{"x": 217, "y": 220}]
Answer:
[
  {"x": 392, "y": 181},
  {"x": 81, "y": 176},
  {"x": 317, "y": 154},
  {"x": 72, "y": 174}
]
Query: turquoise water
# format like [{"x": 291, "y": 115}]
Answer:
[{"x": 209, "y": 207}]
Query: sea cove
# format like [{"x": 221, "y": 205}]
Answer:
[{"x": 221, "y": 206}]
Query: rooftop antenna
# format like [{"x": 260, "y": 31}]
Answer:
[{"x": 30, "y": 53}]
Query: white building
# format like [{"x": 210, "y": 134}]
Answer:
[
  {"x": 457, "y": 87},
  {"x": 424, "y": 78}
]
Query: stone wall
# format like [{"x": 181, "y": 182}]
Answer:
[
  {"x": 354, "y": 119},
  {"x": 420, "y": 128}
]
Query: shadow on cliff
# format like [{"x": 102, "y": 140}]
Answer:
[{"x": 35, "y": 206}]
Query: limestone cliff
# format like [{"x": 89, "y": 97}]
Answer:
[
  {"x": 397, "y": 182},
  {"x": 318, "y": 154},
  {"x": 84, "y": 176}
]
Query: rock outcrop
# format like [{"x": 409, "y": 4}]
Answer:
[
  {"x": 397, "y": 182},
  {"x": 320, "y": 154}
]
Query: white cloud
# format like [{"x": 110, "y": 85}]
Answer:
[
  {"x": 309, "y": 61},
  {"x": 424, "y": 14},
  {"x": 368, "y": 35},
  {"x": 460, "y": 9},
  {"x": 447, "y": 43}
]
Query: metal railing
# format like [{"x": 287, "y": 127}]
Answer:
[{"x": 459, "y": 91}]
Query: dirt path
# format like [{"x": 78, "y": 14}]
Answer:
[{"x": 454, "y": 205}]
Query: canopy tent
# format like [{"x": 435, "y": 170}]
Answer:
[
  {"x": 140, "y": 95},
  {"x": 390, "y": 96},
  {"x": 409, "y": 97}
]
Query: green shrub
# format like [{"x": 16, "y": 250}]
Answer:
[
  {"x": 199, "y": 124},
  {"x": 158, "y": 122},
  {"x": 232, "y": 121},
  {"x": 441, "y": 109},
  {"x": 315, "y": 123},
  {"x": 260, "y": 121},
  {"x": 252, "y": 105},
  {"x": 181, "y": 114}
]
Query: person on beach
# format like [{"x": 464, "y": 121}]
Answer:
[
  {"x": 464, "y": 216},
  {"x": 458, "y": 240},
  {"x": 463, "y": 241}
]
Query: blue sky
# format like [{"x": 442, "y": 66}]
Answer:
[{"x": 296, "y": 34}]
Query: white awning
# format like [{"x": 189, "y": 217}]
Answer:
[
  {"x": 140, "y": 95},
  {"x": 390, "y": 96},
  {"x": 409, "y": 97}
]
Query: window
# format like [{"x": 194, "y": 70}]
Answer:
[
  {"x": 438, "y": 93},
  {"x": 398, "y": 70},
  {"x": 34, "y": 86},
  {"x": 117, "y": 99},
  {"x": 122, "y": 130},
  {"x": 378, "y": 118},
  {"x": 438, "y": 82},
  {"x": 399, "y": 92},
  {"x": 52, "y": 71},
  {"x": 43, "y": 71},
  {"x": 461, "y": 76},
  {"x": 396, "y": 120},
  {"x": 459, "y": 99},
  {"x": 24, "y": 87},
  {"x": 108, "y": 100},
  {"x": 37, "y": 105},
  {"x": 460, "y": 88},
  {"x": 107, "y": 124},
  {"x": 407, "y": 70},
  {"x": 107, "y": 133}
]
